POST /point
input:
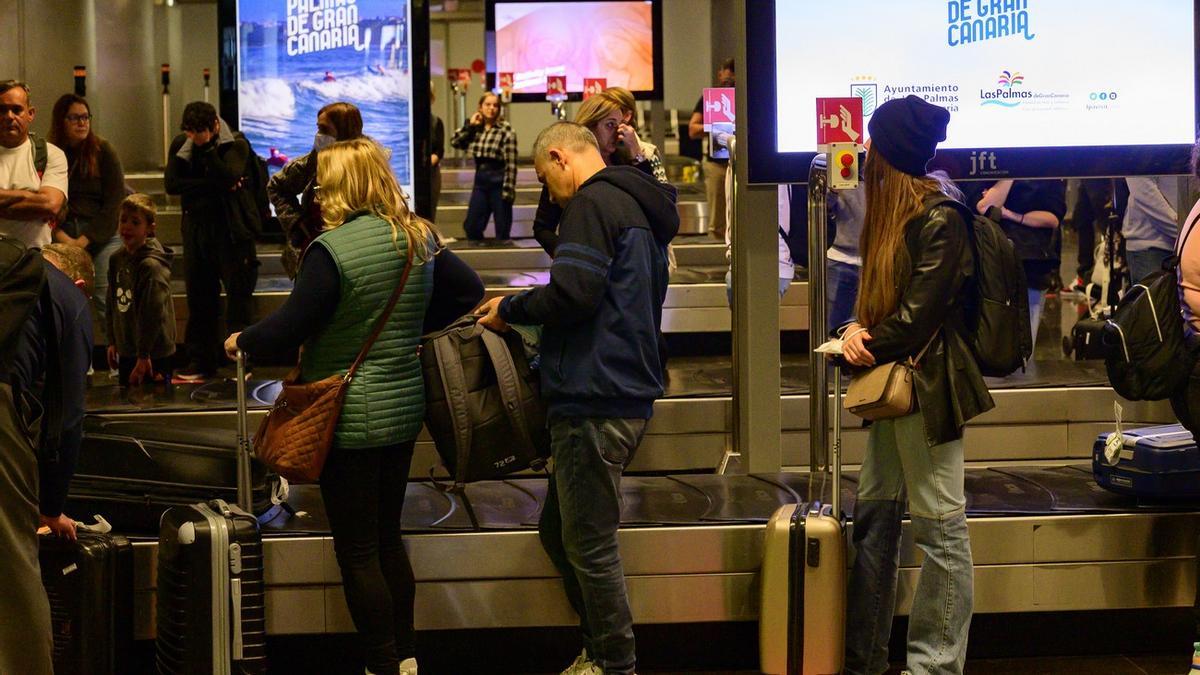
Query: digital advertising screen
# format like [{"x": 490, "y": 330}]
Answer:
[
  {"x": 296, "y": 56},
  {"x": 617, "y": 41},
  {"x": 1035, "y": 88}
]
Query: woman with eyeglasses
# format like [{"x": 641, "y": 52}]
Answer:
[{"x": 96, "y": 187}]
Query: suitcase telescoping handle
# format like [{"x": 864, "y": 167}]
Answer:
[
  {"x": 243, "y": 439},
  {"x": 835, "y": 499}
]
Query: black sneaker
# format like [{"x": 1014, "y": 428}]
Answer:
[{"x": 193, "y": 372}]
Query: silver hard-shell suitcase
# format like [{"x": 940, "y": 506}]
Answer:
[{"x": 211, "y": 602}]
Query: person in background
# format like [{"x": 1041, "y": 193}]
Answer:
[
  {"x": 437, "y": 150},
  {"x": 714, "y": 168},
  {"x": 1151, "y": 223},
  {"x": 787, "y": 267},
  {"x": 609, "y": 121},
  {"x": 33, "y": 173},
  {"x": 36, "y": 460},
  {"x": 601, "y": 313},
  {"x": 917, "y": 268},
  {"x": 346, "y": 279},
  {"x": 1031, "y": 211},
  {"x": 1093, "y": 206},
  {"x": 843, "y": 264},
  {"x": 97, "y": 186},
  {"x": 493, "y": 144},
  {"x": 207, "y": 167},
  {"x": 291, "y": 189},
  {"x": 141, "y": 327}
]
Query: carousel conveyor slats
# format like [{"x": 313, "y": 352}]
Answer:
[
  {"x": 692, "y": 545},
  {"x": 1044, "y": 537}
]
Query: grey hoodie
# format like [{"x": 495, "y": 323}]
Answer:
[{"x": 141, "y": 316}]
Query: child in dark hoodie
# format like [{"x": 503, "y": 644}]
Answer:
[{"x": 141, "y": 317}]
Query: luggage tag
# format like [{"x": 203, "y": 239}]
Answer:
[{"x": 1116, "y": 440}]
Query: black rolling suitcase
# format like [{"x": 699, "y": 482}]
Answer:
[
  {"x": 132, "y": 471},
  {"x": 211, "y": 604},
  {"x": 90, "y": 586}
]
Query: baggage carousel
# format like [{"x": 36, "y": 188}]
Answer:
[{"x": 1044, "y": 536}]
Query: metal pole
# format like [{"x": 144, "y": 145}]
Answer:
[
  {"x": 166, "y": 109},
  {"x": 244, "y": 498},
  {"x": 818, "y": 393}
]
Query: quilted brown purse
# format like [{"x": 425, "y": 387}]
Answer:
[{"x": 296, "y": 435}]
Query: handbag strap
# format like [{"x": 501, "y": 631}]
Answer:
[
  {"x": 387, "y": 312},
  {"x": 506, "y": 380},
  {"x": 921, "y": 354}
]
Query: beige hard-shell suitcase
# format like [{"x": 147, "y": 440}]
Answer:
[{"x": 802, "y": 610}]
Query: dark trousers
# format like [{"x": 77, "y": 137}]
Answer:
[
  {"x": 1186, "y": 406},
  {"x": 487, "y": 200},
  {"x": 25, "y": 633},
  {"x": 435, "y": 191},
  {"x": 363, "y": 489},
  {"x": 1091, "y": 212},
  {"x": 578, "y": 529},
  {"x": 214, "y": 259},
  {"x": 161, "y": 367}
]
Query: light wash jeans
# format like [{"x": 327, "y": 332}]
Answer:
[
  {"x": 899, "y": 461},
  {"x": 578, "y": 529},
  {"x": 841, "y": 290},
  {"x": 1037, "y": 300}
]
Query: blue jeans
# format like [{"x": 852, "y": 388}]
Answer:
[
  {"x": 100, "y": 297},
  {"x": 841, "y": 290},
  {"x": 1146, "y": 262},
  {"x": 1037, "y": 299},
  {"x": 899, "y": 461},
  {"x": 578, "y": 529},
  {"x": 487, "y": 199}
]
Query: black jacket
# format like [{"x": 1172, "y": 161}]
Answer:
[
  {"x": 141, "y": 316},
  {"x": 95, "y": 200},
  {"x": 291, "y": 192},
  {"x": 204, "y": 178},
  {"x": 950, "y": 389},
  {"x": 603, "y": 305}
]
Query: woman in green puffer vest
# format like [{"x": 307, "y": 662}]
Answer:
[{"x": 346, "y": 278}]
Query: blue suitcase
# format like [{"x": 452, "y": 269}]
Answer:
[{"x": 1154, "y": 463}]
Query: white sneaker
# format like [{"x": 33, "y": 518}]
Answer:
[
  {"x": 582, "y": 665},
  {"x": 408, "y": 667}
]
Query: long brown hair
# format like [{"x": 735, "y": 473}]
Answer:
[
  {"x": 893, "y": 199},
  {"x": 345, "y": 119},
  {"x": 87, "y": 156}
]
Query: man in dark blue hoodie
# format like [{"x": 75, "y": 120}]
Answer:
[{"x": 600, "y": 372}]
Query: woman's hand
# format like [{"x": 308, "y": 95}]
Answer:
[
  {"x": 231, "y": 347},
  {"x": 855, "y": 348},
  {"x": 628, "y": 138},
  {"x": 477, "y": 119}
]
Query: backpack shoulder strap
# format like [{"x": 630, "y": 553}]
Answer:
[
  {"x": 454, "y": 388},
  {"x": 507, "y": 380},
  {"x": 40, "y": 155}
]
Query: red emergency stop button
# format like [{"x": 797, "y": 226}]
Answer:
[
  {"x": 846, "y": 172},
  {"x": 846, "y": 159}
]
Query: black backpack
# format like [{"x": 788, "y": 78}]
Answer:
[
  {"x": 1001, "y": 340},
  {"x": 256, "y": 183},
  {"x": 1148, "y": 357}
]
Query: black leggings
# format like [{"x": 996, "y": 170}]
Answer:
[{"x": 363, "y": 489}]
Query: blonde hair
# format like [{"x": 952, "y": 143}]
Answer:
[
  {"x": 893, "y": 199},
  {"x": 73, "y": 262},
  {"x": 624, "y": 100},
  {"x": 142, "y": 204},
  {"x": 354, "y": 175},
  {"x": 595, "y": 109}
]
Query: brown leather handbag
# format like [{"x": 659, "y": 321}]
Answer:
[
  {"x": 885, "y": 391},
  {"x": 295, "y": 438}
]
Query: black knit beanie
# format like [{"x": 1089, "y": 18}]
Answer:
[{"x": 906, "y": 132}]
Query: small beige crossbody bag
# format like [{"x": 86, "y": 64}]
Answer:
[{"x": 885, "y": 391}]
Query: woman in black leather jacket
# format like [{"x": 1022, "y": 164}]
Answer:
[{"x": 917, "y": 272}]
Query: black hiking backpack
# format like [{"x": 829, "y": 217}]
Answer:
[
  {"x": 1001, "y": 340},
  {"x": 1148, "y": 357}
]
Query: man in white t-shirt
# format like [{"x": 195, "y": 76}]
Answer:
[{"x": 30, "y": 198}]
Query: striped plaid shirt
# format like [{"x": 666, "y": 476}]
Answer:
[{"x": 497, "y": 143}]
